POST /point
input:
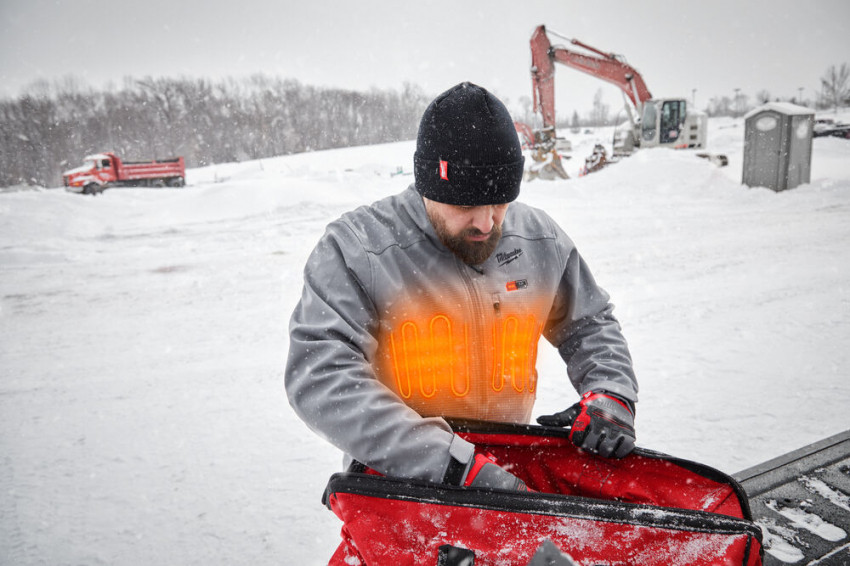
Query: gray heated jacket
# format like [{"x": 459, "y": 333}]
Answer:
[{"x": 393, "y": 332}]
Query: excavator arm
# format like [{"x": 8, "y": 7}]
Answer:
[{"x": 606, "y": 66}]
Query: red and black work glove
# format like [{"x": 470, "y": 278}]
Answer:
[
  {"x": 484, "y": 472},
  {"x": 600, "y": 423}
]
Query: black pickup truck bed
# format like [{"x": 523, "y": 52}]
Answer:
[{"x": 801, "y": 500}]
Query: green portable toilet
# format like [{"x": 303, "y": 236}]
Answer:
[{"x": 778, "y": 146}]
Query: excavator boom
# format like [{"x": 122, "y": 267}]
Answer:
[{"x": 606, "y": 66}]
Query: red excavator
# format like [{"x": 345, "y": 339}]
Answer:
[{"x": 665, "y": 122}]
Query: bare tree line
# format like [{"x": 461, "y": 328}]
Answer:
[
  {"x": 54, "y": 125},
  {"x": 834, "y": 92}
]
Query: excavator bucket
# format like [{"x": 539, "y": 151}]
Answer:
[
  {"x": 547, "y": 162},
  {"x": 547, "y": 165}
]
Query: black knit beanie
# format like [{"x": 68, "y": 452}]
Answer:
[{"x": 467, "y": 151}]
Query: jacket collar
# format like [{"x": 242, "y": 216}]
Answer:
[{"x": 415, "y": 206}]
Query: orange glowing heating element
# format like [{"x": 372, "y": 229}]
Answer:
[{"x": 438, "y": 356}]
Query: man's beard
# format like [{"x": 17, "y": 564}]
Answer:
[{"x": 469, "y": 252}]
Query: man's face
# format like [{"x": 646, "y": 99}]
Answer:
[{"x": 471, "y": 232}]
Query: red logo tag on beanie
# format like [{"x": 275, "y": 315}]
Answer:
[{"x": 444, "y": 170}]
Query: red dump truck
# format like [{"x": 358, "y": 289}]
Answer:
[{"x": 104, "y": 170}]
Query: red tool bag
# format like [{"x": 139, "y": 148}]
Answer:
[{"x": 646, "y": 509}]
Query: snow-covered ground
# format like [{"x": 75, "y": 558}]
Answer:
[{"x": 143, "y": 335}]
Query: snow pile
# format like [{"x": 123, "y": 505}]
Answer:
[{"x": 144, "y": 332}]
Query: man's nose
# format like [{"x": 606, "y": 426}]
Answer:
[{"x": 483, "y": 218}]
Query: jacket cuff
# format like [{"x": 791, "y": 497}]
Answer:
[
  {"x": 628, "y": 402},
  {"x": 461, "y": 454}
]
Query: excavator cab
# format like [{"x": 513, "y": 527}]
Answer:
[
  {"x": 672, "y": 121},
  {"x": 667, "y": 122},
  {"x": 662, "y": 122}
]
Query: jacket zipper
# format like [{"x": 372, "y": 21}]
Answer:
[{"x": 479, "y": 337}]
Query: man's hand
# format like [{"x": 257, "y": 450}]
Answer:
[
  {"x": 599, "y": 423},
  {"x": 484, "y": 472}
]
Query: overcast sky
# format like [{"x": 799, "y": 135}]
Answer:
[{"x": 678, "y": 46}]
